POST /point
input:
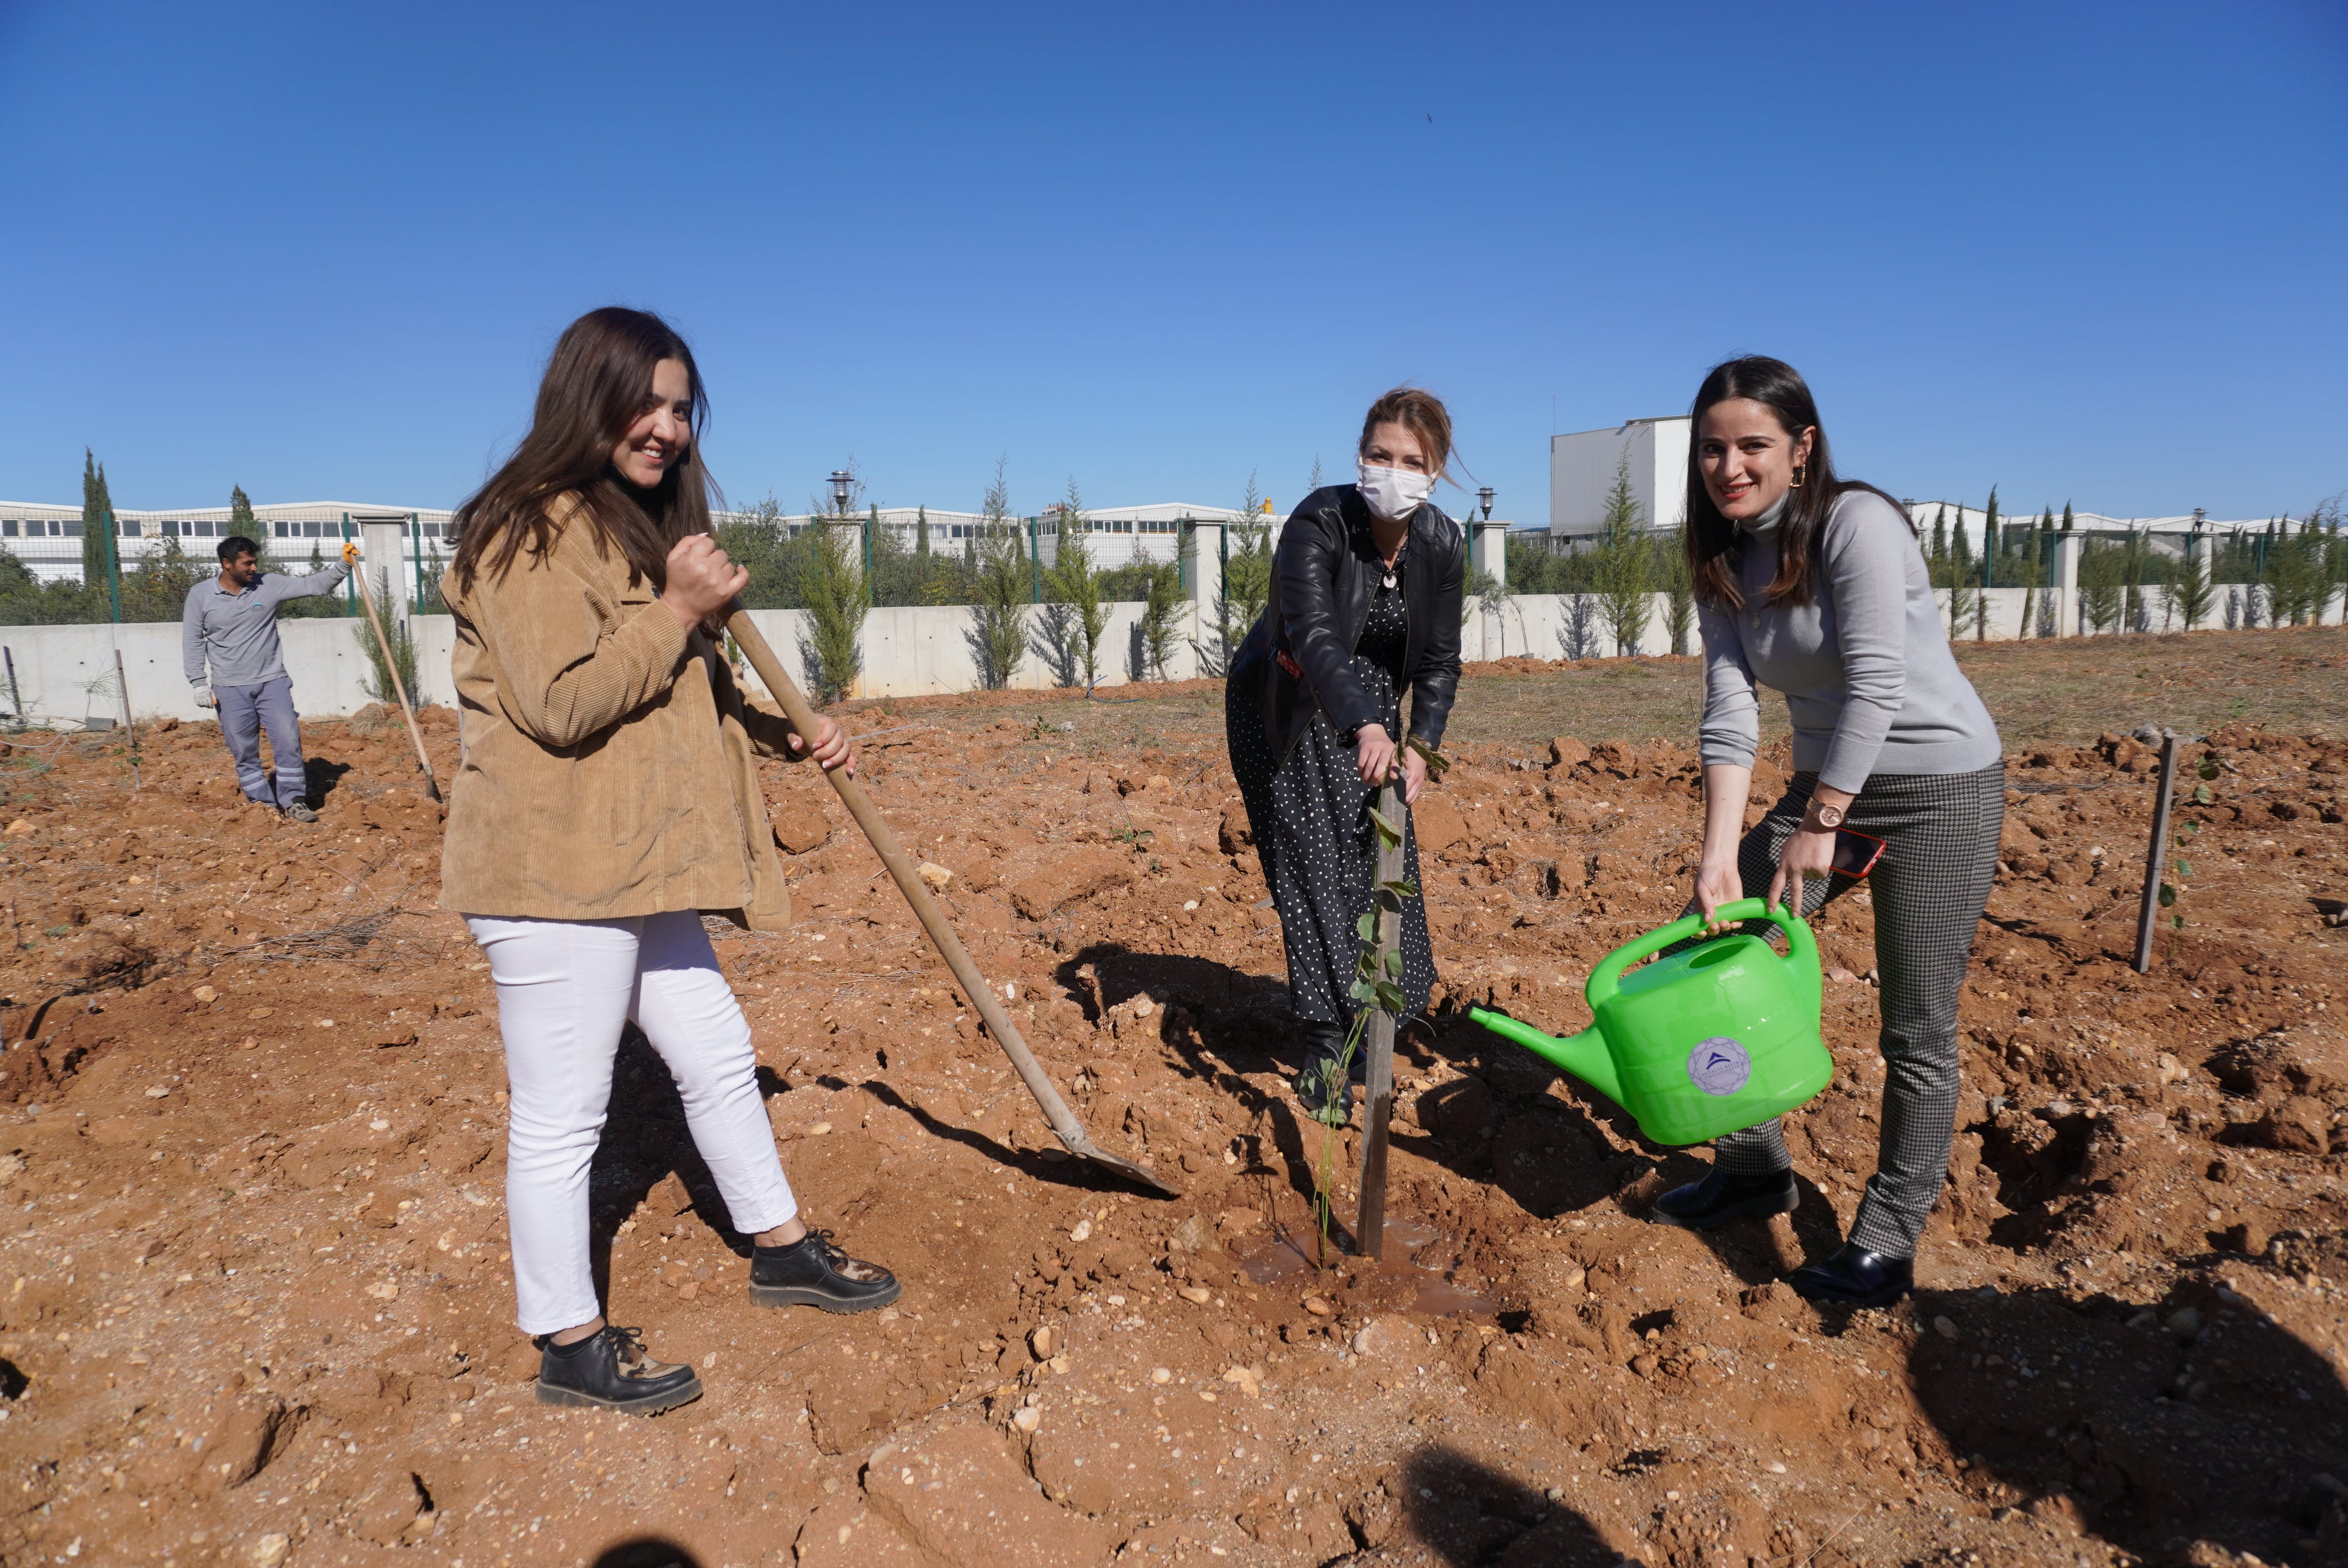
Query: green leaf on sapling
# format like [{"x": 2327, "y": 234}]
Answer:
[
  {"x": 1387, "y": 831},
  {"x": 1394, "y": 964},
  {"x": 1366, "y": 927}
]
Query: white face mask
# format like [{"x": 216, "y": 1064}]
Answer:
[{"x": 1394, "y": 492}]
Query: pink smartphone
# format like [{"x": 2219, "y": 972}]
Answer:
[{"x": 1855, "y": 853}]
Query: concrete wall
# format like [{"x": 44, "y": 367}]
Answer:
[
  {"x": 922, "y": 651},
  {"x": 65, "y": 673}
]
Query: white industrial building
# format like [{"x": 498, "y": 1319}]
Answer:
[
  {"x": 1119, "y": 536},
  {"x": 48, "y": 538},
  {"x": 1583, "y": 466}
]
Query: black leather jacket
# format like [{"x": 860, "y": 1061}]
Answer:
[{"x": 1323, "y": 576}]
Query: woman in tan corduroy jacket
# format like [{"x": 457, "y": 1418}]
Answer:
[{"x": 608, "y": 798}]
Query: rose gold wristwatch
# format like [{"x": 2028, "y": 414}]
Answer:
[{"x": 1824, "y": 818}]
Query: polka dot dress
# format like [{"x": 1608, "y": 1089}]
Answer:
[{"x": 1312, "y": 831}]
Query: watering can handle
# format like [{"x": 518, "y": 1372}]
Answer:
[{"x": 1804, "y": 956}]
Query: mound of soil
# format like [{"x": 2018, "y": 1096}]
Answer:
[{"x": 255, "y": 1301}]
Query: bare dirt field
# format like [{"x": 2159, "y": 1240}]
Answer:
[{"x": 255, "y": 1305}]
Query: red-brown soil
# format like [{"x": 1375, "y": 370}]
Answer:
[{"x": 255, "y": 1305}]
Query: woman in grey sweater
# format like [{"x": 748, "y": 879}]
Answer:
[{"x": 1815, "y": 586}]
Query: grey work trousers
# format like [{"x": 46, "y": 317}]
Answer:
[
  {"x": 1940, "y": 835},
  {"x": 244, "y": 712}
]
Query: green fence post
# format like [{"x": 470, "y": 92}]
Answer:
[
  {"x": 870, "y": 529},
  {"x": 114, "y": 564},
  {"x": 1036, "y": 554},
  {"x": 350, "y": 584},
  {"x": 415, "y": 543}
]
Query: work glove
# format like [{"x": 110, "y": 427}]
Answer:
[
  {"x": 350, "y": 552},
  {"x": 204, "y": 698}
]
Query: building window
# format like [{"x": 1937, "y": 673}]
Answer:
[
  {"x": 72, "y": 529},
  {"x": 8, "y": 527},
  {"x": 130, "y": 529}
]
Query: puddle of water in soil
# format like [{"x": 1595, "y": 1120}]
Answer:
[
  {"x": 1290, "y": 1254},
  {"x": 1435, "y": 1297},
  {"x": 1441, "y": 1298}
]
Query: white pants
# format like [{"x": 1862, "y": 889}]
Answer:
[{"x": 564, "y": 988}]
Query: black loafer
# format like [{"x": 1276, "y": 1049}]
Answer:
[
  {"x": 1721, "y": 1198},
  {"x": 1323, "y": 1088},
  {"x": 812, "y": 1272},
  {"x": 1856, "y": 1277},
  {"x": 610, "y": 1371}
]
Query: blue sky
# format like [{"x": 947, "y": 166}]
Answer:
[{"x": 2089, "y": 253}]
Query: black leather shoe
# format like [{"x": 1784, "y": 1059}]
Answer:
[
  {"x": 1856, "y": 1277},
  {"x": 812, "y": 1272},
  {"x": 1721, "y": 1198},
  {"x": 1326, "y": 1092},
  {"x": 610, "y": 1371}
]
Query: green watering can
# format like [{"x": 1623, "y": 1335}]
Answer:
[{"x": 1708, "y": 1042}]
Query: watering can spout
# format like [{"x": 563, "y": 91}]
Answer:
[{"x": 1583, "y": 1055}]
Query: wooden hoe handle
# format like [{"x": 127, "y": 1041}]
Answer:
[
  {"x": 803, "y": 719},
  {"x": 391, "y": 667}
]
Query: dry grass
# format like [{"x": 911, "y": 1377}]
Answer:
[{"x": 2066, "y": 692}]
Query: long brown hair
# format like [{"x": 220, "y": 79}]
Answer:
[
  {"x": 596, "y": 383},
  {"x": 1715, "y": 543}
]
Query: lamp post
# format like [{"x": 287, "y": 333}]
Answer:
[
  {"x": 1484, "y": 499},
  {"x": 842, "y": 482}
]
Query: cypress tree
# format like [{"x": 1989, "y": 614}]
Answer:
[
  {"x": 1989, "y": 526},
  {"x": 922, "y": 532},
  {"x": 1965, "y": 600},
  {"x": 1940, "y": 534},
  {"x": 241, "y": 519},
  {"x": 97, "y": 545},
  {"x": 2066, "y": 517}
]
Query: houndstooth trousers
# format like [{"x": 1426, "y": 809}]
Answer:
[{"x": 1940, "y": 834}]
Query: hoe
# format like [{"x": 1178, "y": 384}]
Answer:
[{"x": 1065, "y": 1126}]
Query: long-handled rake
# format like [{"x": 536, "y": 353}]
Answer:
[{"x": 1065, "y": 1126}]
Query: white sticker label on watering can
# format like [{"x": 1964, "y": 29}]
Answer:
[{"x": 1719, "y": 1065}]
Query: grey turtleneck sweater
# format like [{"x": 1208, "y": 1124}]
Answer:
[{"x": 1869, "y": 682}]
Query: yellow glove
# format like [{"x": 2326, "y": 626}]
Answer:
[{"x": 350, "y": 552}]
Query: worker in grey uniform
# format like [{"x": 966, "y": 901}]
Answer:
[{"x": 228, "y": 640}]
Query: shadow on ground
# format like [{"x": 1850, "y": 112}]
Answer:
[
  {"x": 1470, "y": 1515},
  {"x": 2199, "y": 1423}
]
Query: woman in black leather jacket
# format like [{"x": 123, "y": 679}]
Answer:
[{"x": 1366, "y": 589}]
